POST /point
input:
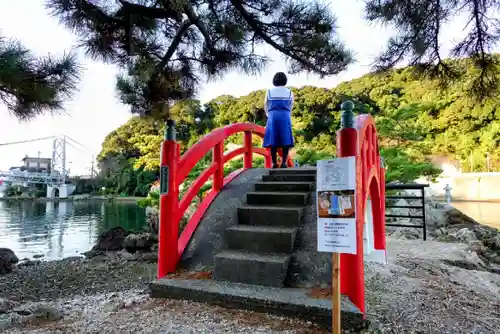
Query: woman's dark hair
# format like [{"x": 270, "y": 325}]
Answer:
[{"x": 280, "y": 79}]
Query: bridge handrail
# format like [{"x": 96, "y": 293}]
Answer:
[
  {"x": 196, "y": 152},
  {"x": 179, "y": 169},
  {"x": 213, "y": 141}
]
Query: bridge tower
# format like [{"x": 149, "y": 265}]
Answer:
[
  {"x": 59, "y": 157},
  {"x": 59, "y": 189}
]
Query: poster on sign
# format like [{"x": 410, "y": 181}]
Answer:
[{"x": 336, "y": 200}]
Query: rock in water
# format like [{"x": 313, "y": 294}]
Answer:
[
  {"x": 7, "y": 260},
  {"x": 111, "y": 240},
  {"x": 140, "y": 242}
]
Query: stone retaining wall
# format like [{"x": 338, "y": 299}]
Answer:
[{"x": 468, "y": 186}]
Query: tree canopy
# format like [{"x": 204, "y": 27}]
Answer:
[
  {"x": 166, "y": 46},
  {"x": 29, "y": 85}
]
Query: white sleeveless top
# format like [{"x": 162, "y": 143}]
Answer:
[{"x": 278, "y": 98}]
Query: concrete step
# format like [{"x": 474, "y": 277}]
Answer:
[
  {"x": 277, "y": 198},
  {"x": 251, "y": 268},
  {"x": 284, "y": 186},
  {"x": 261, "y": 239},
  {"x": 287, "y": 216},
  {"x": 291, "y": 302},
  {"x": 287, "y": 171},
  {"x": 289, "y": 177}
]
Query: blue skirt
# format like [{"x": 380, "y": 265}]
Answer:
[{"x": 278, "y": 129}]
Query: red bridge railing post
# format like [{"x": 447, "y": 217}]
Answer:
[
  {"x": 351, "y": 265},
  {"x": 247, "y": 142},
  {"x": 218, "y": 159},
  {"x": 168, "y": 230},
  {"x": 268, "y": 162}
]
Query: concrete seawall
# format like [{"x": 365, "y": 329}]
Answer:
[{"x": 469, "y": 186}]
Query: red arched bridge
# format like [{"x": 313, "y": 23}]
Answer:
[{"x": 358, "y": 140}]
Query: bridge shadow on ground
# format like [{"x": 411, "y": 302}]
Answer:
[{"x": 290, "y": 282}]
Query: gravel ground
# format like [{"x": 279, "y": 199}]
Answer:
[
  {"x": 133, "y": 311},
  {"x": 108, "y": 294},
  {"x": 50, "y": 280},
  {"x": 427, "y": 287}
]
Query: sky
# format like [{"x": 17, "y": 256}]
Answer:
[{"x": 94, "y": 111}]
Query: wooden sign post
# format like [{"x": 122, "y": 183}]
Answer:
[
  {"x": 336, "y": 185},
  {"x": 336, "y": 307}
]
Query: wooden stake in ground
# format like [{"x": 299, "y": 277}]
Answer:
[{"x": 336, "y": 322}]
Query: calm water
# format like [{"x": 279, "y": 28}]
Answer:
[
  {"x": 58, "y": 230},
  {"x": 483, "y": 212}
]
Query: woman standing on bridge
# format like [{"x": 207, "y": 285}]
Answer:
[{"x": 278, "y": 107}]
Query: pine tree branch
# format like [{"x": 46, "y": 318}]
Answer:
[
  {"x": 30, "y": 86},
  {"x": 419, "y": 25},
  {"x": 175, "y": 43},
  {"x": 164, "y": 55},
  {"x": 195, "y": 19},
  {"x": 259, "y": 31},
  {"x": 129, "y": 8}
]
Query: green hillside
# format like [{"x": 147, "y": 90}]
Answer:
[{"x": 415, "y": 119}]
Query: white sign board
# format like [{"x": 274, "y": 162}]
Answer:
[{"x": 336, "y": 205}]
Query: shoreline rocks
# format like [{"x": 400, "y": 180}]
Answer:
[
  {"x": 152, "y": 219},
  {"x": 111, "y": 240},
  {"x": 7, "y": 260},
  {"x": 140, "y": 242},
  {"x": 447, "y": 224},
  {"x": 117, "y": 239}
]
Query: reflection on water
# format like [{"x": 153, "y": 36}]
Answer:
[
  {"x": 62, "y": 229},
  {"x": 483, "y": 212}
]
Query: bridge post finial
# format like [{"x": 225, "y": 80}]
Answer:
[
  {"x": 170, "y": 130},
  {"x": 347, "y": 117}
]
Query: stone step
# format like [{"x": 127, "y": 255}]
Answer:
[
  {"x": 284, "y": 186},
  {"x": 277, "y": 198},
  {"x": 291, "y": 302},
  {"x": 287, "y": 171},
  {"x": 261, "y": 239},
  {"x": 289, "y": 177},
  {"x": 288, "y": 216},
  {"x": 251, "y": 268}
]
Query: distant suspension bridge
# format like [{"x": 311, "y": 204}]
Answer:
[{"x": 58, "y": 169}]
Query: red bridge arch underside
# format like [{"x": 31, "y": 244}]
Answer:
[{"x": 360, "y": 142}]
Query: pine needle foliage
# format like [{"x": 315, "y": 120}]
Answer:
[
  {"x": 167, "y": 46},
  {"x": 30, "y": 85}
]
